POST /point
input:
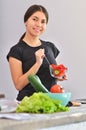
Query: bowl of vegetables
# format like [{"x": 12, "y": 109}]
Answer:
[
  {"x": 63, "y": 97},
  {"x": 56, "y": 91}
]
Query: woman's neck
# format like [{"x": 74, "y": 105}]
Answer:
[{"x": 32, "y": 40}]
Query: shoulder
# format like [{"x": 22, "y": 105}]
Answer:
[
  {"x": 48, "y": 43},
  {"x": 16, "y": 51},
  {"x": 18, "y": 45},
  {"x": 52, "y": 46}
]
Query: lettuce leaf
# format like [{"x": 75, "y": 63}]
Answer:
[{"x": 40, "y": 103}]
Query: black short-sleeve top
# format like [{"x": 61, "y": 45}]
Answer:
[{"x": 26, "y": 54}]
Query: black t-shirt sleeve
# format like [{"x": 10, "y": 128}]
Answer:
[
  {"x": 15, "y": 52},
  {"x": 54, "y": 49}
]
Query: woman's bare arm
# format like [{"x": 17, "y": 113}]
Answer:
[{"x": 20, "y": 80}]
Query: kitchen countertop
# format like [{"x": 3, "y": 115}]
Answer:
[{"x": 38, "y": 121}]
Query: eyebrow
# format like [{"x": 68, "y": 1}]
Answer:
[{"x": 38, "y": 18}]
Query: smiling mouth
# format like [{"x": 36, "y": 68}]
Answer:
[{"x": 37, "y": 30}]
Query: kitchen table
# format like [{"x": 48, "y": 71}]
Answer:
[{"x": 14, "y": 121}]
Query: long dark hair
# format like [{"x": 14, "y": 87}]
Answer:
[{"x": 31, "y": 10}]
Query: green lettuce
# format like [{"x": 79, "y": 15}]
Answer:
[{"x": 40, "y": 103}]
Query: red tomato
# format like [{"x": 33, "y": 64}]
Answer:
[{"x": 56, "y": 89}]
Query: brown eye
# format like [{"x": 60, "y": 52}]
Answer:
[
  {"x": 34, "y": 19},
  {"x": 44, "y": 21}
]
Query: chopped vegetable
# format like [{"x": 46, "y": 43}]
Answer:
[
  {"x": 40, "y": 103},
  {"x": 58, "y": 70}
]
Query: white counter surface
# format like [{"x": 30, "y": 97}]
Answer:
[{"x": 13, "y": 121}]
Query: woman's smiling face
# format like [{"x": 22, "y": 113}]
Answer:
[{"x": 36, "y": 24}]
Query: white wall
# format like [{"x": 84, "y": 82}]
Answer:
[{"x": 66, "y": 28}]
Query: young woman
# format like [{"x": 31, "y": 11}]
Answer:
[{"x": 28, "y": 55}]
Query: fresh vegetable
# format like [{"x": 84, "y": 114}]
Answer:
[
  {"x": 56, "y": 89},
  {"x": 58, "y": 70},
  {"x": 40, "y": 103},
  {"x": 36, "y": 83}
]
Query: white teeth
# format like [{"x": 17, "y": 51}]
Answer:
[{"x": 37, "y": 30}]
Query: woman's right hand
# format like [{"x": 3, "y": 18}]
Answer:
[{"x": 39, "y": 56}]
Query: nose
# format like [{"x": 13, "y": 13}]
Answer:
[{"x": 38, "y": 23}]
